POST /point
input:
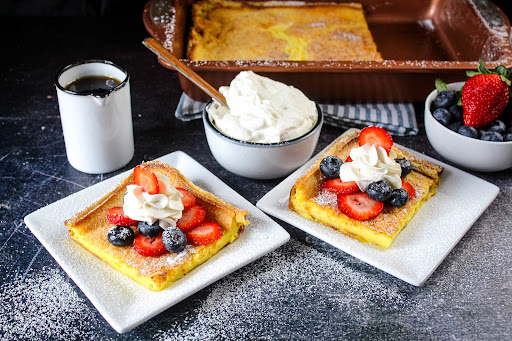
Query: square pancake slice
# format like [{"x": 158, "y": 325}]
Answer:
[
  {"x": 89, "y": 228},
  {"x": 309, "y": 199},
  {"x": 276, "y": 30}
]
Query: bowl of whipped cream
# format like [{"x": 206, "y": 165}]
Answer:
[{"x": 268, "y": 130}]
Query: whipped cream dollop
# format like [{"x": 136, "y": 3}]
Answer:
[
  {"x": 370, "y": 164},
  {"x": 166, "y": 206},
  {"x": 262, "y": 110}
]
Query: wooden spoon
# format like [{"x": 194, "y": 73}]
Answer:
[{"x": 163, "y": 53}]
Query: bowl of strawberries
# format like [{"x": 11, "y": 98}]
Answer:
[{"x": 470, "y": 123}]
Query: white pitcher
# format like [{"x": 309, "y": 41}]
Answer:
[{"x": 97, "y": 127}]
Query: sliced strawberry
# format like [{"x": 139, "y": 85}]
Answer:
[
  {"x": 206, "y": 233},
  {"x": 116, "y": 216},
  {"x": 349, "y": 159},
  {"x": 359, "y": 206},
  {"x": 341, "y": 187},
  {"x": 191, "y": 217},
  {"x": 149, "y": 247},
  {"x": 408, "y": 187},
  {"x": 188, "y": 199},
  {"x": 146, "y": 179},
  {"x": 376, "y": 136}
]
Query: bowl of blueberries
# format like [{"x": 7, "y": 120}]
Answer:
[{"x": 460, "y": 133}]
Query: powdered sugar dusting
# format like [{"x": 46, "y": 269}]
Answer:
[
  {"x": 345, "y": 35},
  {"x": 242, "y": 306},
  {"x": 169, "y": 30},
  {"x": 174, "y": 259},
  {"x": 318, "y": 24},
  {"x": 326, "y": 198},
  {"x": 44, "y": 305},
  {"x": 427, "y": 24},
  {"x": 499, "y": 33}
]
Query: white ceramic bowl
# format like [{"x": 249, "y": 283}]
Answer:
[
  {"x": 469, "y": 153},
  {"x": 261, "y": 160}
]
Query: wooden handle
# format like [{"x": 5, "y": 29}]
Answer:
[{"x": 163, "y": 53}]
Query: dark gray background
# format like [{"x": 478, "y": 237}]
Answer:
[{"x": 304, "y": 290}]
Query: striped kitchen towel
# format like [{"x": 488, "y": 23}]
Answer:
[{"x": 397, "y": 118}]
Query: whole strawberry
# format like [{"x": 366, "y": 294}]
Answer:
[{"x": 485, "y": 95}]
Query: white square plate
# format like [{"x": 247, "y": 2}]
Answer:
[
  {"x": 428, "y": 238},
  {"x": 124, "y": 303}
]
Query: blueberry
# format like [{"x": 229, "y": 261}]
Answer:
[
  {"x": 508, "y": 135},
  {"x": 405, "y": 165},
  {"x": 454, "y": 126},
  {"x": 443, "y": 116},
  {"x": 149, "y": 231},
  {"x": 379, "y": 190},
  {"x": 468, "y": 131},
  {"x": 174, "y": 239},
  {"x": 120, "y": 235},
  {"x": 330, "y": 167},
  {"x": 399, "y": 197},
  {"x": 492, "y": 136},
  {"x": 457, "y": 112},
  {"x": 445, "y": 99},
  {"x": 497, "y": 126}
]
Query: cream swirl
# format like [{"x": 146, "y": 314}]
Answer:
[
  {"x": 262, "y": 110},
  {"x": 370, "y": 164},
  {"x": 166, "y": 206}
]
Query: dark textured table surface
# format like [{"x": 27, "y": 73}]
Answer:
[{"x": 304, "y": 290}]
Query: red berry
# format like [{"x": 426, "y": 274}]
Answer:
[
  {"x": 341, "y": 187},
  {"x": 376, "y": 136},
  {"x": 484, "y": 98},
  {"x": 146, "y": 179},
  {"x": 116, "y": 216},
  {"x": 349, "y": 159},
  {"x": 408, "y": 187},
  {"x": 359, "y": 206},
  {"x": 149, "y": 247},
  {"x": 188, "y": 199},
  {"x": 206, "y": 233},
  {"x": 191, "y": 217}
]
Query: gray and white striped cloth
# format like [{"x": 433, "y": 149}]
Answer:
[{"x": 397, "y": 118}]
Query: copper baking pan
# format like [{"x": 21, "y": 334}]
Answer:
[{"x": 419, "y": 40}]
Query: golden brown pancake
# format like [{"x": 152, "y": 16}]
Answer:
[
  {"x": 236, "y": 30},
  {"x": 308, "y": 198},
  {"x": 89, "y": 228}
]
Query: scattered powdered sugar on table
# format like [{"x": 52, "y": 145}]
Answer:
[
  {"x": 242, "y": 306},
  {"x": 44, "y": 305}
]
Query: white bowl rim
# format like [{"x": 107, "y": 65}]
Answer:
[
  {"x": 209, "y": 124},
  {"x": 430, "y": 99}
]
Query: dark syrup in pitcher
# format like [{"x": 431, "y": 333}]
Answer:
[{"x": 95, "y": 85}]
